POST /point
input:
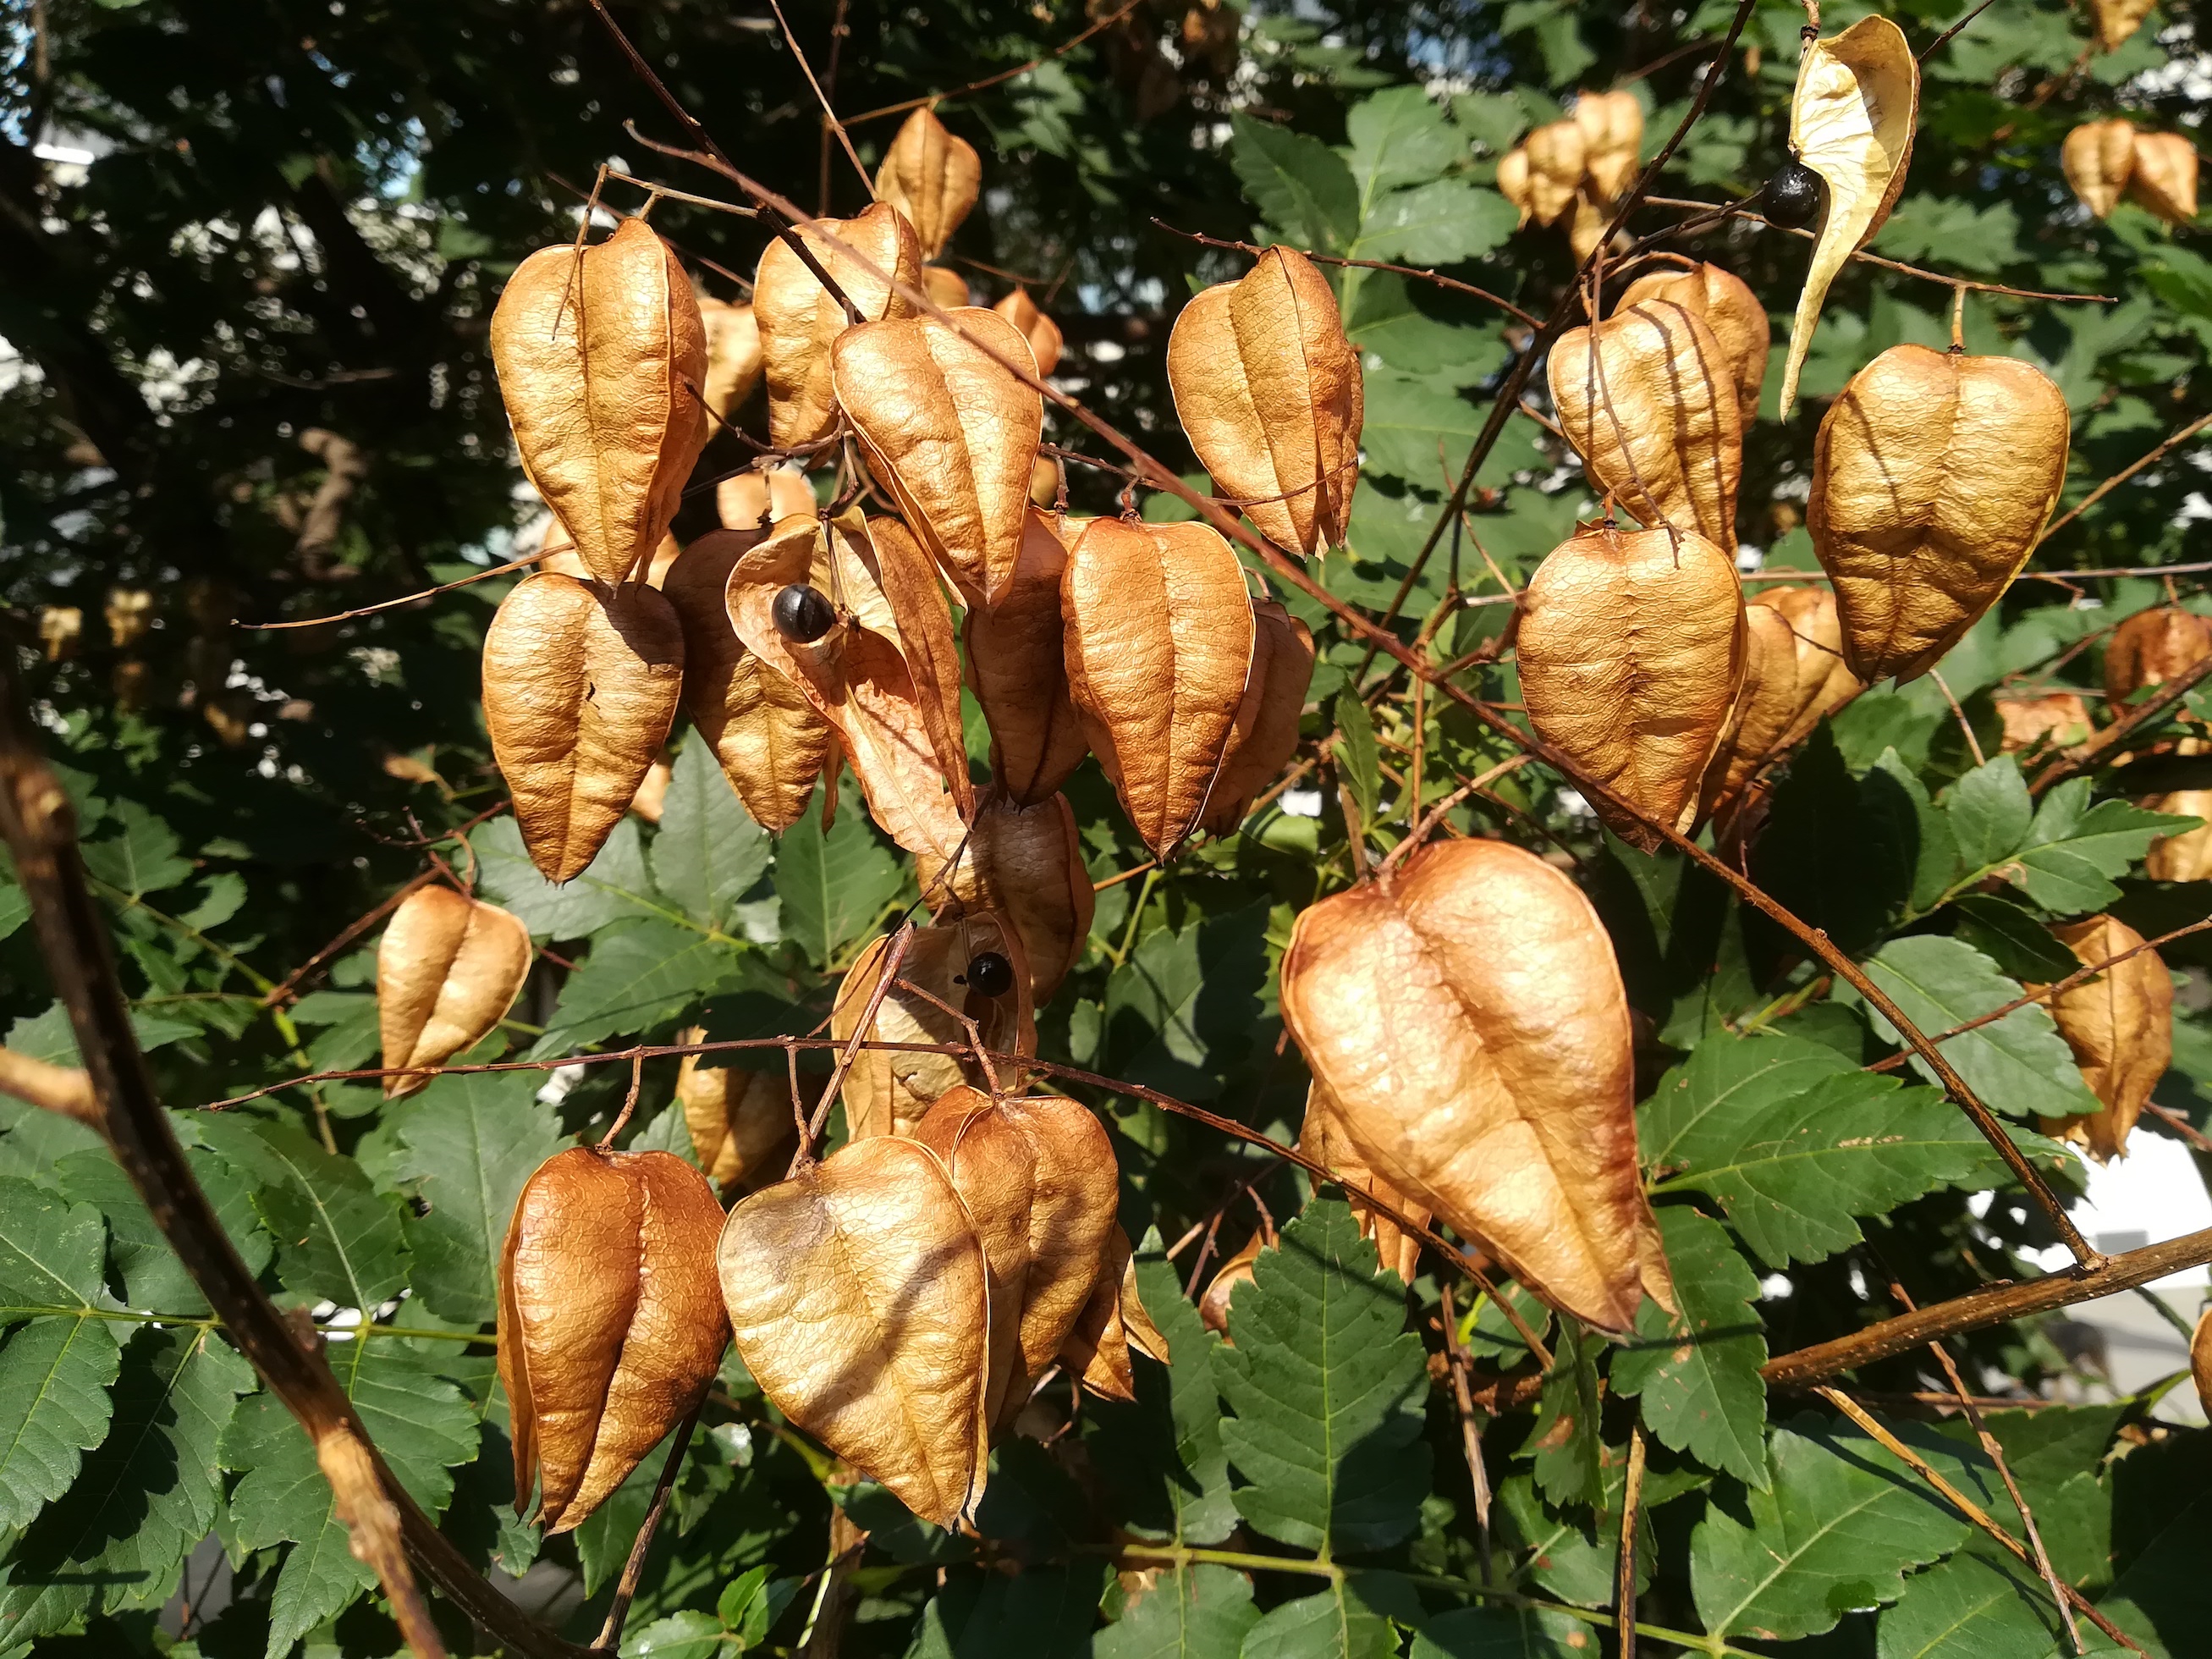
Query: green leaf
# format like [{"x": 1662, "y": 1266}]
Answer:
[
  {"x": 1899, "y": 802},
  {"x": 1699, "y": 1374},
  {"x": 640, "y": 975},
  {"x": 688, "y": 1635},
  {"x": 51, "y": 1250},
  {"x": 1842, "y": 852},
  {"x": 1970, "y": 1607},
  {"x": 2013, "y": 936},
  {"x": 1297, "y": 182},
  {"x": 1386, "y": 320},
  {"x": 750, "y": 1605},
  {"x": 833, "y": 887},
  {"x": 54, "y": 1375},
  {"x": 1328, "y": 1387},
  {"x": 1437, "y": 224},
  {"x": 2075, "y": 848},
  {"x": 1989, "y": 811},
  {"x": 1696, "y": 1117},
  {"x": 1192, "y": 1612},
  {"x": 613, "y": 886},
  {"x": 1180, "y": 1011},
  {"x": 1358, "y": 763},
  {"x": 337, "y": 1238},
  {"x": 154, "y": 1280},
  {"x": 1041, "y": 1613},
  {"x": 144, "y": 857},
  {"x": 1504, "y": 1633},
  {"x": 1417, "y": 428},
  {"x": 1399, "y": 137},
  {"x": 1566, "y": 1437},
  {"x": 48, "y": 1036},
  {"x": 1342, "y": 1622},
  {"x": 1161, "y": 1454},
  {"x": 708, "y": 853}
]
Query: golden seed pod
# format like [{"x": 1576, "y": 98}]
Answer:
[
  {"x": 740, "y": 1122},
  {"x": 1726, "y": 305},
  {"x": 858, "y": 1297},
  {"x": 61, "y": 631},
  {"x": 1221, "y": 1289},
  {"x": 2151, "y": 647},
  {"x": 907, "y": 577},
  {"x": 1932, "y": 476},
  {"x": 1017, "y": 666},
  {"x": 1612, "y": 125},
  {"x": 1113, "y": 1322},
  {"x": 2057, "y": 719},
  {"x": 1040, "y": 1186},
  {"x": 600, "y": 359},
  {"x": 2099, "y": 158},
  {"x": 734, "y": 355},
  {"x": 1852, "y": 120},
  {"x": 129, "y": 613},
  {"x": 2187, "y": 856},
  {"x": 2119, "y": 1025},
  {"x": 1323, "y": 1139},
  {"x": 1793, "y": 675},
  {"x": 1039, "y": 330},
  {"x": 952, "y": 431},
  {"x": 1265, "y": 734},
  {"x": 564, "y": 559},
  {"x": 1159, "y": 639},
  {"x": 1587, "y": 228},
  {"x": 887, "y": 1091},
  {"x": 2200, "y": 1360},
  {"x": 799, "y": 320},
  {"x": 946, "y": 289},
  {"x": 1632, "y": 649},
  {"x": 2118, "y": 20},
  {"x": 1025, "y": 863},
  {"x": 1269, "y": 391},
  {"x": 1557, "y": 161},
  {"x": 1516, "y": 184},
  {"x": 1467, "y": 1016},
  {"x": 447, "y": 969},
  {"x": 1649, "y": 400},
  {"x": 2164, "y": 179},
  {"x": 755, "y": 499},
  {"x": 610, "y": 1327},
  {"x": 931, "y": 176},
  {"x": 580, "y": 683}
]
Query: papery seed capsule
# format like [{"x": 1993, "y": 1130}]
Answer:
[
  {"x": 802, "y": 614},
  {"x": 990, "y": 974},
  {"x": 1792, "y": 197}
]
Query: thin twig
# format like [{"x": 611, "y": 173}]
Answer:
[
  {"x": 2180, "y": 1126},
  {"x": 989, "y": 81},
  {"x": 2120, "y": 478},
  {"x": 1624, "y": 1581},
  {"x": 1452, "y": 283},
  {"x": 633, "y": 1569},
  {"x": 1945, "y": 39},
  {"x": 829, "y": 113},
  {"x": 1470, "y": 1437},
  {"x": 511, "y": 566},
  {"x": 2090, "y": 755},
  {"x": 1965, "y": 726}
]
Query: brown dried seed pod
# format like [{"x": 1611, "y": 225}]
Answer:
[
  {"x": 2187, "y": 856},
  {"x": 2099, "y": 158},
  {"x": 755, "y": 500},
  {"x": 1160, "y": 641},
  {"x": 857, "y": 1295},
  {"x": 2151, "y": 647},
  {"x": 1727, "y": 306},
  {"x": 2057, "y": 719},
  {"x": 1040, "y": 1183},
  {"x": 1611, "y": 124},
  {"x": 740, "y": 1122},
  {"x": 1017, "y": 666},
  {"x": 1026, "y": 863},
  {"x": 932, "y": 176},
  {"x": 1557, "y": 157},
  {"x": 1039, "y": 330},
  {"x": 1932, "y": 476},
  {"x": 1793, "y": 675},
  {"x": 2200, "y": 1361},
  {"x": 564, "y": 561},
  {"x": 1323, "y": 1139},
  {"x": 1113, "y": 1322},
  {"x": 2118, "y": 20},
  {"x": 734, "y": 355},
  {"x": 1265, "y": 734},
  {"x": 908, "y": 579},
  {"x": 1467, "y": 1014},
  {"x": 952, "y": 431},
  {"x": 2164, "y": 179},
  {"x": 799, "y": 320},
  {"x": 947, "y": 289},
  {"x": 447, "y": 969},
  {"x": 1221, "y": 1289},
  {"x": 610, "y": 1327},
  {"x": 2119, "y": 1025},
  {"x": 600, "y": 360},
  {"x": 580, "y": 684},
  {"x": 1632, "y": 648},
  {"x": 1269, "y": 391},
  {"x": 1852, "y": 120},
  {"x": 1516, "y": 184},
  {"x": 1651, "y": 407}
]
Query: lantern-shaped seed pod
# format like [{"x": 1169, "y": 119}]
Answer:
[
  {"x": 1556, "y": 157},
  {"x": 2099, "y": 158},
  {"x": 799, "y": 320},
  {"x": 932, "y": 176},
  {"x": 1726, "y": 305},
  {"x": 2119, "y": 1024},
  {"x": 2057, "y": 719},
  {"x": 447, "y": 969},
  {"x": 1612, "y": 134},
  {"x": 2164, "y": 178},
  {"x": 2187, "y": 856},
  {"x": 1793, "y": 675}
]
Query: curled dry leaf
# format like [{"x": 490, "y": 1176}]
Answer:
[
  {"x": 1632, "y": 649},
  {"x": 610, "y": 1329},
  {"x": 755, "y": 499},
  {"x": 2099, "y": 158},
  {"x": 1160, "y": 637},
  {"x": 2118, "y": 20},
  {"x": 1726, "y": 305},
  {"x": 1516, "y": 184},
  {"x": 1221, "y": 1289},
  {"x": 857, "y": 1295},
  {"x": 1025, "y": 863},
  {"x": 951, "y": 430},
  {"x": 1268, "y": 389},
  {"x": 734, "y": 355},
  {"x": 580, "y": 684},
  {"x": 740, "y": 1120},
  {"x": 447, "y": 969},
  {"x": 1323, "y": 1139},
  {"x": 2151, "y": 647},
  {"x": 2057, "y": 719},
  {"x": 2187, "y": 856},
  {"x": 1932, "y": 476},
  {"x": 931, "y": 175},
  {"x": 2164, "y": 179},
  {"x": 1018, "y": 668},
  {"x": 1039, "y": 330},
  {"x": 1851, "y": 121},
  {"x": 1265, "y": 734},
  {"x": 946, "y": 289},
  {"x": 799, "y": 320},
  {"x": 907, "y": 577},
  {"x": 1793, "y": 675},
  {"x": 1466, "y": 1015},
  {"x": 2119, "y": 1025},
  {"x": 1557, "y": 162},
  {"x": 887, "y": 1091},
  {"x": 1648, "y": 398},
  {"x": 1113, "y": 1322},
  {"x": 600, "y": 360},
  {"x": 1039, "y": 1180},
  {"x": 1612, "y": 125}
]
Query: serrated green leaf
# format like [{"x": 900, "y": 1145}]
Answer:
[
  {"x": 1492, "y": 1339},
  {"x": 1438, "y": 223},
  {"x": 708, "y": 853},
  {"x": 833, "y": 887},
  {"x": 1358, "y": 762},
  {"x": 1161, "y": 1454},
  {"x": 2012, "y": 936},
  {"x": 613, "y": 886},
  {"x": 1416, "y": 429},
  {"x": 143, "y": 857},
  {"x": 51, "y": 1250},
  {"x": 1696, "y": 1116},
  {"x": 1970, "y": 1607},
  {"x": 47, "y": 1036},
  {"x": 687, "y": 1635},
  {"x": 1338, "y": 1623},
  {"x": 1041, "y": 1613},
  {"x": 54, "y": 1407},
  {"x": 337, "y": 1238},
  {"x": 1297, "y": 181},
  {"x": 2075, "y": 848},
  {"x": 1910, "y": 820},
  {"x": 154, "y": 1280},
  {"x": 1565, "y": 1439},
  {"x": 1399, "y": 137},
  {"x": 1192, "y": 1612},
  {"x": 1327, "y": 1384},
  {"x": 639, "y": 976},
  {"x": 1990, "y": 812},
  {"x": 1573, "y": 1553},
  {"x": 1699, "y": 1374},
  {"x": 1385, "y": 319},
  {"x": 1179, "y": 1013},
  {"x": 1504, "y": 1633}
]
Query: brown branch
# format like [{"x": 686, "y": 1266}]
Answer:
[
  {"x": 989, "y": 81},
  {"x": 62, "y": 1089},
  {"x": 1470, "y": 1437},
  {"x": 404, "y": 598},
  {"x": 2091, "y": 754},
  {"x": 1945, "y": 38},
  {"x": 610, "y": 1638},
  {"x": 1452, "y": 283},
  {"x": 372, "y": 1524},
  {"x": 1624, "y": 1580},
  {"x": 2120, "y": 478},
  {"x": 2180, "y": 1126}
]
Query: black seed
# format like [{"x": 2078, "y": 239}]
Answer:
[
  {"x": 1793, "y": 195},
  {"x": 802, "y": 614},
  {"x": 990, "y": 973}
]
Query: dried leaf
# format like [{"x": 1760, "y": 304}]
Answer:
[
  {"x": 2164, "y": 179},
  {"x": 1516, "y": 184},
  {"x": 1323, "y": 1139},
  {"x": 1025, "y": 863},
  {"x": 580, "y": 683},
  {"x": 610, "y": 1327},
  {"x": 754, "y": 500},
  {"x": 1794, "y": 674},
  {"x": 740, "y": 1120},
  {"x": 1851, "y": 121},
  {"x": 1265, "y": 734},
  {"x": 2057, "y": 719},
  {"x": 734, "y": 355},
  {"x": 857, "y": 1296},
  {"x": 1160, "y": 638},
  {"x": 1018, "y": 668},
  {"x": 1557, "y": 162},
  {"x": 1632, "y": 649},
  {"x": 2099, "y": 158},
  {"x": 1467, "y": 1014},
  {"x": 2118, "y": 20},
  {"x": 2151, "y": 647},
  {"x": 932, "y": 177},
  {"x": 2119, "y": 1025},
  {"x": 1649, "y": 400},
  {"x": 799, "y": 321},
  {"x": 1268, "y": 389},
  {"x": 1727, "y": 305},
  {"x": 1612, "y": 125},
  {"x": 1932, "y": 476},
  {"x": 447, "y": 969},
  {"x": 908, "y": 579},
  {"x": 1039, "y": 330},
  {"x": 600, "y": 360},
  {"x": 1221, "y": 1289},
  {"x": 2187, "y": 856}
]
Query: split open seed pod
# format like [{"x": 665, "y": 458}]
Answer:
[
  {"x": 1114, "y": 1324},
  {"x": 1726, "y": 305},
  {"x": 1268, "y": 389},
  {"x": 740, "y": 1120},
  {"x": 1465, "y": 1013},
  {"x": 2151, "y": 647},
  {"x": 2187, "y": 856},
  {"x": 1851, "y": 121},
  {"x": 2057, "y": 719},
  {"x": 1323, "y": 1139},
  {"x": 887, "y": 1091},
  {"x": 1017, "y": 666},
  {"x": 447, "y": 969},
  {"x": 1039, "y": 330},
  {"x": 1932, "y": 476},
  {"x": 580, "y": 683},
  {"x": 1159, "y": 639},
  {"x": 1793, "y": 675},
  {"x": 1025, "y": 864},
  {"x": 2099, "y": 158},
  {"x": 1557, "y": 162},
  {"x": 610, "y": 1325},
  {"x": 600, "y": 359},
  {"x": 799, "y": 320},
  {"x": 953, "y": 431},
  {"x": 2118, "y": 20},
  {"x": 755, "y": 499},
  {"x": 1632, "y": 650},
  {"x": 932, "y": 176},
  {"x": 2164, "y": 179},
  {"x": 2119, "y": 1024},
  {"x": 1612, "y": 125},
  {"x": 1516, "y": 184},
  {"x": 1648, "y": 398},
  {"x": 734, "y": 355},
  {"x": 857, "y": 1296},
  {"x": 1265, "y": 734}
]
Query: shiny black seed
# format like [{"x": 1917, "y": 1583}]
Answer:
[
  {"x": 802, "y": 614},
  {"x": 1793, "y": 195},
  {"x": 990, "y": 973}
]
